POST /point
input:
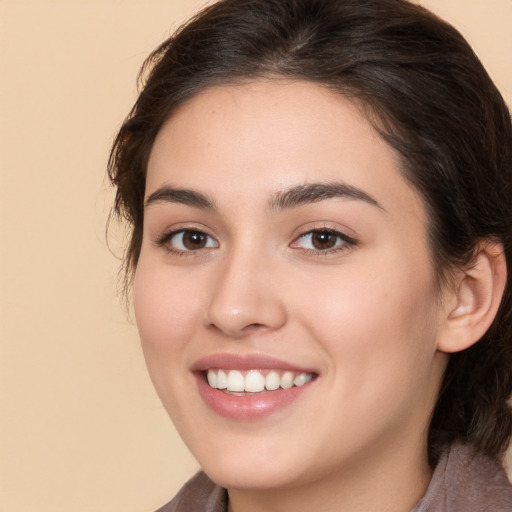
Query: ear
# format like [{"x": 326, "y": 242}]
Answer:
[{"x": 471, "y": 305}]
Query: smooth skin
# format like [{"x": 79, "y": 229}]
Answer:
[{"x": 340, "y": 283}]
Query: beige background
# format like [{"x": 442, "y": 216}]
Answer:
[{"x": 80, "y": 426}]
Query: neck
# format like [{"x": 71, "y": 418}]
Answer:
[{"x": 393, "y": 481}]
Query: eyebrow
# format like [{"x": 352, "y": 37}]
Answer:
[
  {"x": 315, "y": 192},
  {"x": 168, "y": 194},
  {"x": 293, "y": 197}
]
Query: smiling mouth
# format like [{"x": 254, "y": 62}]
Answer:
[{"x": 255, "y": 381}]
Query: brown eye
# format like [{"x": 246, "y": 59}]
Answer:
[
  {"x": 194, "y": 240},
  {"x": 323, "y": 240},
  {"x": 190, "y": 240}
]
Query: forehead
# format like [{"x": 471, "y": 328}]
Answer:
[{"x": 264, "y": 136}]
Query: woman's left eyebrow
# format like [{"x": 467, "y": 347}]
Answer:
[{"x": 314, "y": 192}]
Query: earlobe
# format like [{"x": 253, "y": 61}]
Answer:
[{"x": 475, "y": 299}]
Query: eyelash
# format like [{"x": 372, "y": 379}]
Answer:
[
  {"x": 163, "y": 241},
  {"x": 346, "y": 241}
]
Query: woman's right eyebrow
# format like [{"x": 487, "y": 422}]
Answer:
[{"x": 168, "y": 194}]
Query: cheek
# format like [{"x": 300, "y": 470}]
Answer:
[
  {"x": 383, "y": 322},
  {"x": 167, "y": 312},
  {"x": 380, "y": 344}
]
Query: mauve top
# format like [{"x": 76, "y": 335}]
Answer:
[{"x": 463, "y": 481}]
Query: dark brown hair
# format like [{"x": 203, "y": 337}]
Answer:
[{"x": 430, "y": 98}]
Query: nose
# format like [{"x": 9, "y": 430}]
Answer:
[{"x": 246, "y": 298}]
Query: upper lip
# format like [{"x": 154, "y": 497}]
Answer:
[{"x": 227, "y": 361}]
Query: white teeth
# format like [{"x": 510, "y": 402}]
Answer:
[
  {"x": 222, "y": 380},
  {"x": 272, "y": 381},
  {"x": 254, "y": 382},
  {"x": 287, "y": 380},
  {"x": 212, "y": 378},
  {"x": 301, "y": 379},
  {"x": 236, "y": 381}
]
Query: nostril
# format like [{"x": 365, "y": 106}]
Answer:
[
  {"x": 255, "y": 327},
  {"x": 239, "y": 314}
]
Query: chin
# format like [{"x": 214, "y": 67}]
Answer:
[
  {"x": 242, "y": 475},
  {"x": 247, "y": 462}
]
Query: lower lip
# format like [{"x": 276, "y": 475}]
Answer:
[{"x": 248, "y": 407}]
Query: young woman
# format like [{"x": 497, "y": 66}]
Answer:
[{"x": 320, "y": 201}]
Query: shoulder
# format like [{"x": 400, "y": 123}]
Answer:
[
  {"x": 199, "y": 494},
  {"x": 467, "y": 481}
]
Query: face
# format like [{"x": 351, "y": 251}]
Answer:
[{"x": 285, "y": 261}]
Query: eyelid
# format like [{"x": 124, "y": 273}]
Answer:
[
  {"x": 163, "y": 234},
  {"x": 163, "y": 239},
  {"x": 324, "y": 225},
  {"x": 348, "y": 241}
]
